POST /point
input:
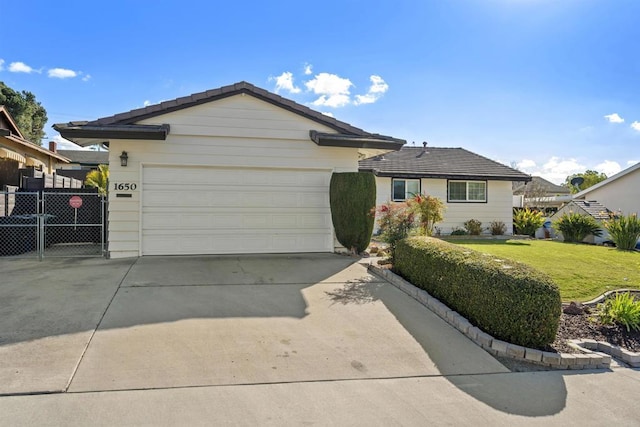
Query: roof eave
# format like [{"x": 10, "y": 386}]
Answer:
[
  {"x": 372, "y": 141},
  {"x": 408, "y": 174},
  {"x": 79, "y": 133}
]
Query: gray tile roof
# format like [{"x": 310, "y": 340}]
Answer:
[
  {"x": 123, "y": 125},
  {"x": 87, "y": 157},
  {"x": 133, "y": 116},
  {"x": 440, "y": 162},
  {"x": 593, "y": 208},
  {"x": 538, "y": 182}
]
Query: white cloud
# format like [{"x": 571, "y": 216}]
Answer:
[
  {"x": 526, "y": 164},
  {"x": 86, "y": 78},
  {"x": 332, "y": 89},
  {"x": 308, "y": 69},
  {"x": 146, "y": 103},
  {"x": 61, "y": 73},
  {"x": 608, "y": 167},
  {"x": 555, "y": 169},
  {"x": 285, "y": 82},
  {"x": 376, "y": 90},
  {"x": 20, "y": 67},
  {"x": 636, "y": 126},
  {"x": 614, "y": 118},
  {"x": 1, "y": 64},
  {"x": 632, "y": 162},
  {"x": 327, "y": 113}
]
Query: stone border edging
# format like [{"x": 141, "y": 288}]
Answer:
[{"x": 592, "y": 358}]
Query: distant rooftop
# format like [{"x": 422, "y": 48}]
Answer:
[
  {"x": 86, "y": 157},
  {"x": 440, "y": 162}
]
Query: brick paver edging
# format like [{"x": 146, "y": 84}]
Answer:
[{"x": 593, "y": 356}]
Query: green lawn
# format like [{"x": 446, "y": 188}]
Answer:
[{"x": 582, "y": 272}]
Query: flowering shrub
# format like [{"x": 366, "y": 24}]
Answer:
[
  {"x": 395, "y": 221},
  {"x": 428, "y": 210}
]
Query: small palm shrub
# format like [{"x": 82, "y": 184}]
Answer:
[
  {"x": 497, "y": 228},
  {"x": 575, "y": 227},
  {"x": 473, "y": 227},
  {"x": 624, "y": 231},
  {"x": 99, "y": 178},
  {"x": 527, "y": 221},
  {"x": 622, "y": 309}
]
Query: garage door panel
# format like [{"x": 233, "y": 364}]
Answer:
[
  {"x": 222, "y": 210},
  {"x": 186, "y": 244},
  {"x": 215, "y": 220}
]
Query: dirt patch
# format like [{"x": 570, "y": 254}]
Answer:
[{"x": 587, "y": 325}]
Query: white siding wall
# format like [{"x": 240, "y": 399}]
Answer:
[
  {"x": 499, "y": 206},
  {"x": 236, "y": 131},
  {"x": 622, "y": 195}
]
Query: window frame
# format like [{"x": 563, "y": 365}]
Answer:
[
  {"x": 393, "y": 180},
  {"x": 467, "y": 182}
]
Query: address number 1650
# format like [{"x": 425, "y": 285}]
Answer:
[{"x": 125, "y": 186}]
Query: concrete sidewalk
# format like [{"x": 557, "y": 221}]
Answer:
[{"x": 513, "y": 399}]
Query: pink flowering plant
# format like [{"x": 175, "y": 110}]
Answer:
[
  {"x": 395, "y": 221},
  {"x": 429, "y": 211}
]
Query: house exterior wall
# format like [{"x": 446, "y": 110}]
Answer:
[
  {"x": 621, "y": 195},
  {"x": 499, "y": 205},
  {"x": 25, "y": 150},
  {"x": 240, "y": 131}
]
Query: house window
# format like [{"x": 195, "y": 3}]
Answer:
[
  {"x": 404, "y": 189},
  {"x": 467, "y": 191}
]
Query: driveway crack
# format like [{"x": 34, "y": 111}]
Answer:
[{"x": 86, "y": 347}]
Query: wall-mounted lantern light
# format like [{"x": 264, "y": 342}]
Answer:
[{"x": 124, "y": 158}]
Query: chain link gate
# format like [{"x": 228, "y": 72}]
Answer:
[{"x": 52, "y": 224}]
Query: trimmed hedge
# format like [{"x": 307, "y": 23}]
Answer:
[
  {"x": 352, "y": 196},
  {"x": 507, "y": 299}
]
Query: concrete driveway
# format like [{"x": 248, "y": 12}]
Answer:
[{"x": 165, "y": 322}]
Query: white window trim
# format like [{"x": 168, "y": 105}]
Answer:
[
  {"x": 393, "y": 180},
  {"x": 467, "y": 182}
]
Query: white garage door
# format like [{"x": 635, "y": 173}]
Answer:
[{"x": 204, "y": 210}]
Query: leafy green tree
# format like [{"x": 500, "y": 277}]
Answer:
[
  {"x": 590, "y": 177},
  {"x": 99, "y": 179},
  {"x": 29, "y": 114}
]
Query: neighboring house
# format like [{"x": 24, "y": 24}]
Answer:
[
  {"x": 620, "y": 193},
  {"x": 81, "y": 162},
  {"x": 17, "y": 153},
  {"x": 472, "y": 186},
  {"x": 594, "y": 209},
  {"x": 540, "y": 193},
  {"x": 232, "y": 170}
]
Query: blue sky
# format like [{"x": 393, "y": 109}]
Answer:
[{"x": 553, "y": 86}]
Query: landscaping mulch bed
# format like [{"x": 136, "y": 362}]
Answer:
[{"x": 586, "y": 325}]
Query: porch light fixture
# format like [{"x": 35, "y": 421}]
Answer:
[{"x": 124, "y": 158}]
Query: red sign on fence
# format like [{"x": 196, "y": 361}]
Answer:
[{"x": 75, "y": 202}]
